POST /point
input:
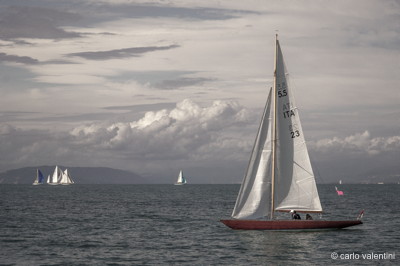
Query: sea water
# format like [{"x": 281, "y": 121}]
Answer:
[{"x": 167, "y": 224}]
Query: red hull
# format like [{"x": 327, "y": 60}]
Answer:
[{"x": 288, "y": 224}]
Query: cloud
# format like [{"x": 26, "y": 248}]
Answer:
[
  {"x": 6, "y": 129},
  {"x": 361, "y": 143},
  {"x": 172, "y": 84},
  {"x": 160, "y": 10},
  {"x": 29, "y": 60},
  {"x": 356, "y": 158},
  {"x": 35, "y": 22},
  {"x": 122, "y": 53},
  {"x": 18, "y": 59},
  {"x": 166, "y": 134},
  {"x": 140, "y": 107},
  {"x": 190, "y": 134}
]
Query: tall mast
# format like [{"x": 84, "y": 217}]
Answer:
[{"x": 274, "y": 133}]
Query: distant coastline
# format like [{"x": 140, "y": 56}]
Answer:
[{"x": 82, "y": 175}]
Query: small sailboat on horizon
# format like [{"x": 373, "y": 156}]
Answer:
[
  {"x": 60, "y": 177},
  {"x": 66, "y": 178},
  {"x": 39, "y": 178},
  {"x": 55, "y": 177},
  {"x": 339, "y": 192},
  {"x": 181, "y": 179},
  {"x": 279, "y": 177}
]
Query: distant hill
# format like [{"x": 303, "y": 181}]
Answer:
[{"x": 81, "y": 175}]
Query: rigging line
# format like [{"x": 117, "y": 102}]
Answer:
[
  {"x": 305, "y": 170},
  {"x": 314, "y": 165}
]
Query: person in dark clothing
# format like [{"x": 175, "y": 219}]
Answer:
[
  {"x": 295, "y": 215},
  {"x": 308, "y": 217}
]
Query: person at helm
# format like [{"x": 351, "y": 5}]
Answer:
[{"x": 295, "y": 215}]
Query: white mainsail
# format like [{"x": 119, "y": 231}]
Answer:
[
  {"x": 181, "y": 179},
  {"x": 279, "y": 176},
  {"x": 295, "y": 187}
]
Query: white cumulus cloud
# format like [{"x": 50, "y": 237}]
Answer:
[
  {"x": 183, "y": 132},
  {"x": 358, "y": 143}
]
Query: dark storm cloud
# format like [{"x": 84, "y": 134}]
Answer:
[
  {"x": 18, "y": 59},
  {"x": 122, "y": 53},
  {"x": 35, "y": 22}
]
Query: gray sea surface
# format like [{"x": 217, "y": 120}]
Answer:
[{"x": 179, "y": 225}]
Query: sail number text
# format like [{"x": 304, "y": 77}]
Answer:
[
  {"x": 294, "y": 131},
  {"x": 282, "y": 93},
  {"x": 295, "y": 134}
]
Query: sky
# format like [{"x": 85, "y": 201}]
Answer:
[{"x": 154, "y": 87}]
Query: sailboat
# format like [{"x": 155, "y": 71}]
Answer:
[
  {"x": 56, "y": 177},
  {"x": 66, "y": 178},
  {"x": 39, "y": 178},
  {"x": 279, "y": 177},
  {"x": 339, "y": 192},
  {"x": 60, "y": 177},
  {"x": 181, "y": 179}
]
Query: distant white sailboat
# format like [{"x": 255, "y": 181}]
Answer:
[
  {"x": 181, "y": 179},
  {"x": 66, "y": 178},
  {"x": 60, "y": 177},
  {"x": 39, "y": 178},
  {"x": 56, "y": 177}
]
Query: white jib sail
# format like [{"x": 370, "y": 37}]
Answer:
[
  {"x": 254, "y": 197},
  {"x": 295, "y": 187}
]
